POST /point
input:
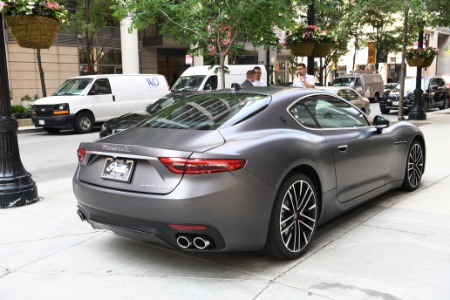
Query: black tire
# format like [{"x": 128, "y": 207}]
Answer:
[
  {"x": 52, "y": 130},
  {"x": 425, "y": 105},
  {"x": 445, "y": 104},
  {"x": 84, "y": 122},
  {"x": 384, "y": 111},
  {"x": 376, "y": 98},
  {"x": 415, "y": 164},
  {"x": 291, "y": 230}
]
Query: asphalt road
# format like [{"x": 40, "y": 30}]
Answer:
[{"x": 50, "y": 157}]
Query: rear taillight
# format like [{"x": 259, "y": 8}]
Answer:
[
  {"x": 81, "y": 153},
  {"x": 201, "y": 166}
]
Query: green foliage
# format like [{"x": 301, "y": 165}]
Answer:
[{"x": 21, "y": 112}]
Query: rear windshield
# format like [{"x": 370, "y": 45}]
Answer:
[
  {"x": 72, "y": 87},
  {"x": 208, "y": 111}
]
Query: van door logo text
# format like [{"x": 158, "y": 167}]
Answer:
[{"x": 152, "y": 82}]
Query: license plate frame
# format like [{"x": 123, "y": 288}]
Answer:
[
  {"x": 118, "y": 169},
  {"x": 41, "y": 122},
  {"x": 395, "y": 103}
]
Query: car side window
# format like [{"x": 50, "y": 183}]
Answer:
[
  {"x": 100, "y": 87},
  {"x": 351, "y": 95},
  {"x": 342, "y": 93},
  {"x": 358, "y": 82},
  {"x": 327, "y": 112}
]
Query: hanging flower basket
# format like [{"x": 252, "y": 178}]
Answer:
[
  {"x": 427, "y": 62},
  {"x": 420, "y": 62},
  {"x": 321, "y": 50},
  {"x": 303, "y": 49},
  {"x": 34, "y": 32}
]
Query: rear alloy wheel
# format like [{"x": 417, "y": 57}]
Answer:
[
  {"x": 84, "y": 123},
  {"x": 294, "y": 218},
  {"x": 414, "y": 167}
]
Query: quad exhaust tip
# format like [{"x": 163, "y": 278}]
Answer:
[
  {"x": 198, "y": 242},
  {"x": 201, "y": 243},
  {"x": 184, "y": 242}
]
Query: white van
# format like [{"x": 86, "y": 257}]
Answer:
[
  {"x": 82, "y": 101},
  {"x": 370, "y": 86},
  {"x": 208, "y": 78}
]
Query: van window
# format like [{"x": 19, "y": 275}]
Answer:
[
  {"x": 71, "y": 87},
  {"x": 211, "y": 83},
  {"x": 344, "y": 81},
  {"x": 358, "y": 82},
  {"x": 188, "y": 83},
  {"x": 100, "y": 87}
]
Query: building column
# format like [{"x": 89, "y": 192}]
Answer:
[{"x": 129, "y": 47}]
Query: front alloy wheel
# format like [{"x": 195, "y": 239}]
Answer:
[
  {"x": 294, "y": 218},
  {"x": 415, "y": 166}
]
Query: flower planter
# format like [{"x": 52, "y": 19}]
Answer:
[
  {"x": 303, "y": 49},
  {"x": 34, "y": 32},
  {"x": 321, "y": 50},
  {"x": 420, "y": 62}
]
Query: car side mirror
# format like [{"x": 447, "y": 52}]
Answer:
[{"x": 380, "y": 123}]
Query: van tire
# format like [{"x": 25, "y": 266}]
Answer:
[
  {"x": 52, "y": 130},
  {"x": 84, "y": 122},
  {"x": 376, "y": 98}
]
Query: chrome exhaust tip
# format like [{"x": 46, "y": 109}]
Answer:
[
  {"x": 201, "y": 243},
  {"x": 184, "y": 242},
  {"x": 80, "y": 214}
]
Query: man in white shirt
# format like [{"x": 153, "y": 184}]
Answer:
[
  {"x": 258, "y": 81},
  {"x": 304, "y": 80}
]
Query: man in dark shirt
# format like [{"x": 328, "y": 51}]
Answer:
[{"x": 251, "y": 77}]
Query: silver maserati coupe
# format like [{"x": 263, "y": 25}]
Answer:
[{"x": 244, "y": 169}]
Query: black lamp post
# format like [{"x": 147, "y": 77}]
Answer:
[
  {"x": 310, "y": 16},
  {"x": 417, "y": 112},
  {"x": 16, "y": 186}
]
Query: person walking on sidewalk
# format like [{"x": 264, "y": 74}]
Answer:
[{"x": 304, "y": 80}]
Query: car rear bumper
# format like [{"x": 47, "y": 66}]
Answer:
[
  {"x": 235, "y": 211},
  {"x": 61, "y": 122}
]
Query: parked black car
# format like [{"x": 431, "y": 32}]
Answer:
[
  {"x": 126, "y": 121},
  {"x": 435, "y": 95}
]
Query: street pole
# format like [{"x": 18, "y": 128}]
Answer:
[
  {"x": 417, "y": 112},
  {"x": 310, "y": 16},
  {"x": 16, "y": 186}
]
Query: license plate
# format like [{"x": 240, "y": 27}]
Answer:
[
  {"x": 118, "y": 169},
  {"x": 395, "y": 103},
  {"x": 41, "y": 122}
]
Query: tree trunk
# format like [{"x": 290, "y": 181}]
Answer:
[
  {"x": 222, "y": 69},
  {"x": 41, "y": 73}
]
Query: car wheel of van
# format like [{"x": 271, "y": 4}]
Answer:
[
  {"x": 414, "y": 167},
  {"x": 376, "y": 98},
  {"x": 444, "y": 104},
  {"x": 52, "y": 130},
  {"x": 294, "y": 218},
  {"x": 84, "y": 123},
  {"x": 384, "y": 110}
]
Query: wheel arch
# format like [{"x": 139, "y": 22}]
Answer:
[
  {"x": 314, "y": 176},
  {"x": 85, "y": 110}
]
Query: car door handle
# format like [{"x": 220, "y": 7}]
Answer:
[
  {"x": 114, "y": 98},
  {"x": 342, "y": 148}
]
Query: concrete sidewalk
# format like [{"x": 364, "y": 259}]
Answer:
[{"x": 395, "y": 247}]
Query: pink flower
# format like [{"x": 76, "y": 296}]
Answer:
[{"x": 49, "y": 5}]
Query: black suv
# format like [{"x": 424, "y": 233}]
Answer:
[{"x": 435, "y": 94}]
